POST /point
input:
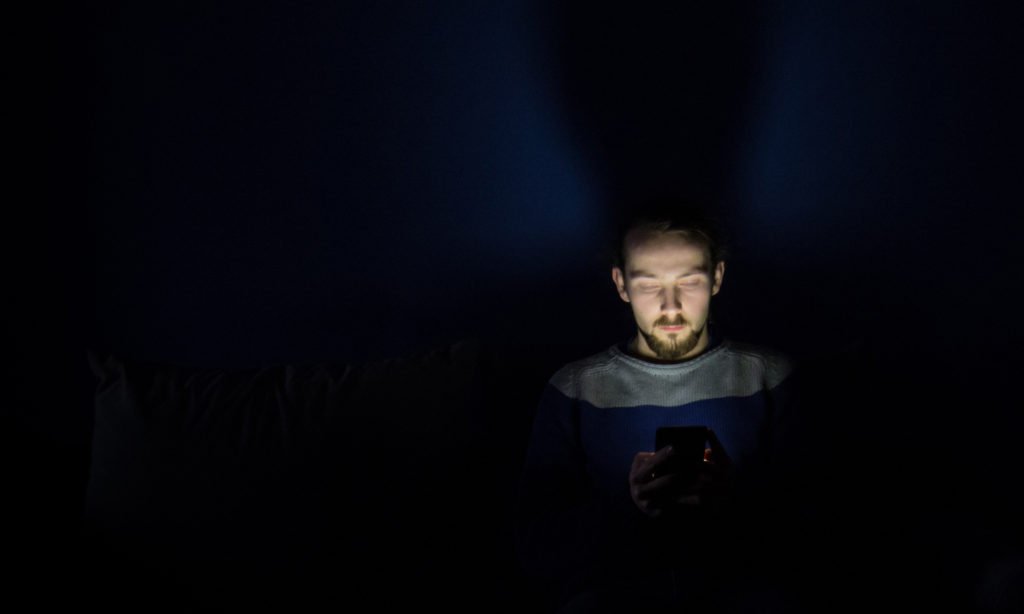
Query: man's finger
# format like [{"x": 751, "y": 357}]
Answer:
[
  {"x": 689, "y": 500},
  {"x": 646, "y": 489},
  {"x": 646, "y": 463}
]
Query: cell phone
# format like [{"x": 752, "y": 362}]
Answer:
[{"x": 688, "y": 444}]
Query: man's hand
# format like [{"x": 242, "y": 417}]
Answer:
[{"x": 657, "y": 493}]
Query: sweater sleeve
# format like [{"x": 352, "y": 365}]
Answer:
[{"x": 567, "y": 534}]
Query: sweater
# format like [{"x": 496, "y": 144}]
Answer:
[{"x": 577, "y": 524}]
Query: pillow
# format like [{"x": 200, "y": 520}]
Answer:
[{"x": 207, "y": 482}]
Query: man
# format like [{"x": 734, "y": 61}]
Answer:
[{"x": 602, "y": 525}]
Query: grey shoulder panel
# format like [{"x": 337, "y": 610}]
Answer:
[
  {"x": 777, "y": 365},
  {"x": 567, "y": 379},
  {"x": 608, "y": 381}
]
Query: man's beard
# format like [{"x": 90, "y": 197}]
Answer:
[{"x": 674, "y": 348}]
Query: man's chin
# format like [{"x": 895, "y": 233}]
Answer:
[
  {"x": 673, "y": 354},
  {"x": 673, "y": 347}
]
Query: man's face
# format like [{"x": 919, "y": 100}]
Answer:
[{"x": 669, "y": 290}]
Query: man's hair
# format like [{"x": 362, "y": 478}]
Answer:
[{"x": 672, "y": 215}]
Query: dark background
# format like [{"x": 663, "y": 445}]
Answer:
[{"x": 240, "y": 184}]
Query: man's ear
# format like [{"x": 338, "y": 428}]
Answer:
[
  {"x": 620, "y": 283},
  {"x": 719, "y": 274}
]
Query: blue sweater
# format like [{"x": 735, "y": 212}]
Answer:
[{"x": 577, "y": 524}]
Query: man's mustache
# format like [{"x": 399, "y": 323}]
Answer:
[{"x": 679, "y": 321}]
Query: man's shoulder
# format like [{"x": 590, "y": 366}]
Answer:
[
  {"x": 777, "y": 364},
  {"x": 756, "y": 350},
  {"x": 565, "y": 377}
]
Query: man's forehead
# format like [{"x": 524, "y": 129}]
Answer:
[{"x": 662, "y": 248}]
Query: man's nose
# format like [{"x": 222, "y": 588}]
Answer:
[{"x": 671, "y": 300}]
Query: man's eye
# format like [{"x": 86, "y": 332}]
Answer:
[{"x": 648, "y": 288}]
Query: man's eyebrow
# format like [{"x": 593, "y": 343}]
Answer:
[{"x": 634, "y": 273}]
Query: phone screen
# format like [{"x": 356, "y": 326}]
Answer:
[{"x": 688, "y": 444}]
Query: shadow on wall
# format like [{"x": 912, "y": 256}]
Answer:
[{"x": 652, "y": 93}]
